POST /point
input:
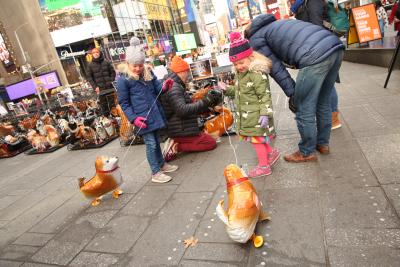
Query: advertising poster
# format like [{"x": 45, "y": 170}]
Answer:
[
  {"x": 70, "y": 21},
  {"x": 185, "y": 41},
  {"x": 366, "y": 23},
  {"x": 28, "y": 87},
  {"x": 201, "y": 69}
]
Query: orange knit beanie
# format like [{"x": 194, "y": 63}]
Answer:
[{"x": 179, "y": 65}]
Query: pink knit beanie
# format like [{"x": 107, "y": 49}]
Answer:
[{"x": 239, "y": 48}]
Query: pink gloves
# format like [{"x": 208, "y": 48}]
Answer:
[
  {"x": 167, "y": 85},
  {"x": 139, "y": 122}
]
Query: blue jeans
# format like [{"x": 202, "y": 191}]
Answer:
[
  {"x": 153, "y": 151},
  {"x": 334, "y": 100},
  {"x": 314, "y": 85},
  {"x": 382, "y": 26}
]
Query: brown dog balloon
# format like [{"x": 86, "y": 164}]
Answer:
[
  {"x": 107, "y": 178},
  {"x": 244, "y": 209}
]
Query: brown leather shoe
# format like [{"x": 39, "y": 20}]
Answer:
[
  {"x": 324, "y": 150},
  {"x": 297, "y": 157}
]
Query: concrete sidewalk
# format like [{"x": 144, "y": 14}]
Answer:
[{"x": 341, "y": 211}]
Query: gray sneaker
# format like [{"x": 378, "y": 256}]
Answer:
[
  {"x": 160, "y": 177},
  {"x": 169, "y": 168}
]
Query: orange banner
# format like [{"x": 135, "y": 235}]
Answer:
[{"x": 366, "y": 23}]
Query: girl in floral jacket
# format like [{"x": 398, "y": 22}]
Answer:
[{"x": 254, "y": 114}]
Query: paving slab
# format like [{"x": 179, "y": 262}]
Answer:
[
  {"x": 387, "y": 106},
  {"x": 367, "y": 238},
  {"x": 354, "y": 171},
  {"x": 135, "y": 179},
  {"x": 33, "y": 239},
  {"x": 3, "y": 223},
  {"x": 35, "y": 214},
  {"x": 62, "y": 216},
  {"x": 218, "y": 252},
  {"x": 174, "y": 216},
  {"x": 90, "y": 259},
  {"x": 206, "y": 177},
  {"x": 198, "y": 263},
  {"x": 383, "y": 155},
  {"x": 347, "y": 207},
  {"x": 66, "y": 245},
  {"x": 149, "y": 200},
  {"x": 5, "y": 263},
  {"x": 6, "y": 201},
  {"x": 187, "y": 162},
  {"x": 25, "y": 203},
  {"x": 364, "y": 121},
  {"x": 294, "y": 234},
  {"x": 119, "y": 235},
  {"x": 110, "y": 203},
  {"x": 211, "y": 228},
  {"x": 393, "y": 193},
  {"x": 361, "y": 257},
  {"x": 18, "y": 252},
  {"x": 286, "y": 175},
  {"x": 285, "y": 123},
  {"x": 32, "y": 264}
]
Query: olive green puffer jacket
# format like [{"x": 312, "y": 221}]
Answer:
[{"x": 252, "y": 97}]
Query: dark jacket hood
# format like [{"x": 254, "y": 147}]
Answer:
[{"x": 259, "y": 22}]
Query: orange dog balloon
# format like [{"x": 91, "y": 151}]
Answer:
[
  {"x": 107, "y": 178},
  {"x": 219, "y": 124},
  {"x": 244, "y": 209}
]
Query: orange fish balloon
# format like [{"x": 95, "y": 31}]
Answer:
[
  {"x": 107, "y": 178},
  {"x": 244, "y": 209},
  {"x": 218, "y": 125}
]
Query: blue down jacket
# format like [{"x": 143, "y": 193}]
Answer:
[
  {"x": 293, "y": 42},
  {"x": 136, "y": 97}
]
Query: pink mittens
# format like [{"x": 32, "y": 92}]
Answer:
[{"x": 139, "y": 122}]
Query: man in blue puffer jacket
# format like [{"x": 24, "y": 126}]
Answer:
[{"x": 318, "y": 54}]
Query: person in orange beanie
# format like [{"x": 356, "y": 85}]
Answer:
[{"x": 182, "y": 123}]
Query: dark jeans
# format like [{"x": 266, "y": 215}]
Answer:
[
  {"x": 334, "y": 100},
  {"x": 153, "y": 151},
  {"x": 314, "y": 85}
]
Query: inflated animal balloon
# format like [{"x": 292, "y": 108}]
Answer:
[
  {"x": 107, "y": 178},
  {"x": 108, "y": 125},
  {"x": 39, "y": 142},
  {"x": 218, "y": 125},
  {"x": 244, "y": 207},
  {"x": 52, "y": 135},
  {"x": 126, "y": 128}
]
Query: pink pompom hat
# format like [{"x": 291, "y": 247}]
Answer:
[{"x": 240, "y": 47}]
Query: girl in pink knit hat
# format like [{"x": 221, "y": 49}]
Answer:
[{"x": 252, "y": 94}]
